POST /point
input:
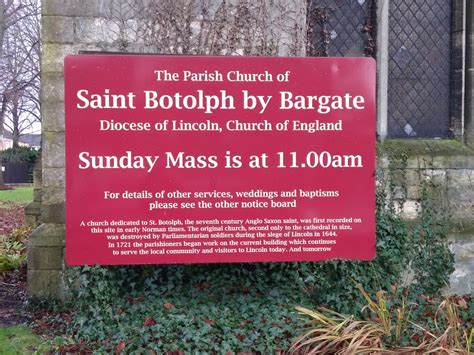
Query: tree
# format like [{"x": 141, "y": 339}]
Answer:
[
  {"x": 1, "y": 25},
  {"x": 2, "y": 32},
  {"x": 20, "y": 68}
]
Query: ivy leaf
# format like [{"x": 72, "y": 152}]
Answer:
[
  {"x": 202, "y": 285},
  {"x": 120, "y": 347},
  {"x": 149, "y": 321},
  {"x": 241, "y": 337},
  {"x": 168, "y": 305}
]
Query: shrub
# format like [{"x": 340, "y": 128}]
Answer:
[
  {"x": 248, "y": 307},
  {"x": 217, "y": 308},
  {"x": 13, "y": 249},
  {"x": 389, "y": 327},
  {"x": 20, "y": 154}
]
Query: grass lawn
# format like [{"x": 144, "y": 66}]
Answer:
[
  {"x": 20, "y": 340},
  {"x": 19, "y": 195}
]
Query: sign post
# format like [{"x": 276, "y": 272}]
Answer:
[{"x": 178, "y": 159}]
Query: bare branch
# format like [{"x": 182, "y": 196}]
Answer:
[{"x": 19, "y": 66}]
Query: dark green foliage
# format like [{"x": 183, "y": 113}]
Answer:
[
  {"x": 430, "y": 256},
  {"x": 414, "y": 256},
  {"x": 20, "y": 155},
  {"x": 238, "y": 307},
  {"x": 334, "y": 282},
  {"x": 249, "y": 307}
]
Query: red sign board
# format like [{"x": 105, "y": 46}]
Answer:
[{"x": 179, "y": 159}]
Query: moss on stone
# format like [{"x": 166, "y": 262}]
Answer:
[
  {"x": 413, "y": 147},
  {"x": 462, "y": 226}
]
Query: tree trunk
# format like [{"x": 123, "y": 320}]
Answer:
[
  {"x": 3, "y": 108},
  {"x": 2, "y": 25},
  {"x": 2, "y": 115},
  {"x": 15, "y": 121}
]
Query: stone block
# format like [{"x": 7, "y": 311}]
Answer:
[
  {"x": 459, "y": 195},
  {"x": 463, "y": 231},
  {"x": 461, "y": 178},
  {"x": 413, "y": 192},
  {"x": 415, "y": 163},
  {"x": 44, "y": 283},
  {"x": 453, "y": 162},
  {"x": 92, "y": 8},
  {"x": 53, "y": 150},
  {"x": 383, "y": 162},
  {"x": 52, "y": 87},
  {"x": 398, "y": 193},
  {"x": 53, "y": 195},
  {"x": 53, "y": 54},
  {"x": 57, "y": 29},
  {"x": 409, "y": 210},
  {"x": 53, "y": 116},
  {"x": 96, "y": 30},
  {"x": 466, "y": 251},
  {"x": 32, "y": 219},
  {"x": 138, "y": 47},
  {"x": 425, "y": 162},
  {"x": 32, "y": 213},
  {"x": 45, "y": 258},
  {"x": 413, "y": 177},
  {"x": 462, "y": 279},
  {"x": 37, "y": 193},
  {"x": 53, "y": 213},
  {"x": 54, "y": 177},
  {"x": 110, "y": 35},
  {"x": 435, "y": 176},
  {"x": 130, "y": 10},
  {"x": 48, "y": 235},
  {"x": 37, "y": 175},
  {"x": 130, "y": 34},
  {"x": 462, "y": 202}
]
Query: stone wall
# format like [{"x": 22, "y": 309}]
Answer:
[
  {"x": 71, "y": 26},
  {"x": 446, "y": 168},
  {"x": 33, "y": 210},
  {"x": 61, "y": 21}
]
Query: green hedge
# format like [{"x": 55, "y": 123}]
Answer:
[{"x": 20, "y": 155}]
